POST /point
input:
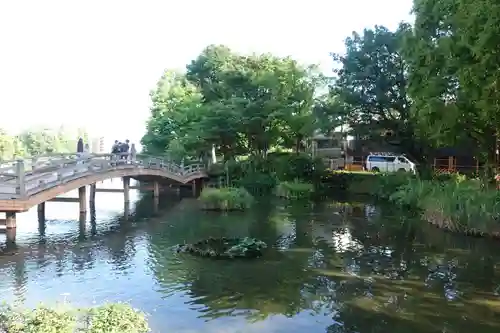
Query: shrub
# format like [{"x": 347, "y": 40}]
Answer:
[
  {"x": 409, "y": 194},
  {"x": 115, "y": 318},
  {"x": 260, "y": 175},
  {"x": 294, "y": 190},
  {"x": 289, "y": 167},
  {"x": 228, "y": 198},
  {"x": 380, "y": 185},
  {"x": 112, "y": 318},
  {"x": 387, "y": 184},
  {"x": 258, "y": 183}
]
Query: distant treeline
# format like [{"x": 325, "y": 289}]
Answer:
[{"x": 38, "y": 141}]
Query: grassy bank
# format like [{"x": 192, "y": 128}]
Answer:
[
  {"x": 452, "y": 202},
  {"x": 107, "y": 318}
]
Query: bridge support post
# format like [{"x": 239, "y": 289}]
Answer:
[
  {"x": 196, "y": 187},
  {"x": 126, "y": 189},
  {"x": 41, "y": 211},
  {"x": 156, "y": 189},
  {"x": 10, "y": 220},
  {"x": 93, "y": 188},
  {"x": 10, "y": 235},
  {"x": 82, "y": 198},
  {"x": 126, "y": 210},
  {"x": 20, "y": 184},
  {"x": 82, "y": 224},
  {"x": 156, "y": 204}
]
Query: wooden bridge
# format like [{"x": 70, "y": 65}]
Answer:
[{"x": 29, "y": 182}]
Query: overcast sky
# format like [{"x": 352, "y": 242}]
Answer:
[{"x": 93, "y": 63}]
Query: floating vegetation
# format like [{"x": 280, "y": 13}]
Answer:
[{"x": 225, "y": 248}]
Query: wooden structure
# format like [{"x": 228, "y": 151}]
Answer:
[{"x": 30, "y": 182}]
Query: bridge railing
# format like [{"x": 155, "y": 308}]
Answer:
[{"x": 42, "y": 173}]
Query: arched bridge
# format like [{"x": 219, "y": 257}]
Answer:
[{"x": 26, "y": 183}]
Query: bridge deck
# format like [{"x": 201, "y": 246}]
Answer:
[{"x": 25, "y": 183}]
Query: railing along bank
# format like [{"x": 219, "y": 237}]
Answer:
[{"x": 22, "y": 178}]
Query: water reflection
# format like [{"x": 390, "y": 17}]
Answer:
[
  {"x": 333, "y": 267},
  {"x": 331, "y": 261}
]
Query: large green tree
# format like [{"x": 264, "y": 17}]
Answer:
[
  {"x": 176, "y": 106},
  {"x": 454, "y": 66},
  {"x": 370, "y": 91},
  {"x": 236, "y": 103}
]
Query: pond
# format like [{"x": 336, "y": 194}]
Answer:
[{"x": 332, "y": 267}]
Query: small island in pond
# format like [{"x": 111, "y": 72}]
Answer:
[{"x": 225, "y": 248}]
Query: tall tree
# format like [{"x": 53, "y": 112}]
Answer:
[
  {"x": 175, "y": 105},
  {"x": 454, "y": 67},
  {"x": 235, "y": 103},
  {"x": 372, "y": 85}
]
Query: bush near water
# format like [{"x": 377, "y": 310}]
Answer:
[
  {"x": 110, "y": 318},
  {"x": 294, "y": 190},
  {"x": 225, "y": 199},
  {"x": 450, "y": 201},
  {"x": 262, "y": 176}
]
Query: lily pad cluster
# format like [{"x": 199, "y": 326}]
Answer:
[{"x": 225, "y": 247}]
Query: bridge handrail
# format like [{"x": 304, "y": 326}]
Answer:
[
  {"x": 37, "y": 161},
  {"x": 19, "y": 182}
]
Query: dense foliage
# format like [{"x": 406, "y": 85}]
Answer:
[
  {"x": 225, "y": 199},
  {"x": 118, "y": 318},
  {"x": 240, "y": 105},
  {"x": 417, "y": 87},
  {"x": 420, "y": 87},
  {"x": 39, "y": 141}
]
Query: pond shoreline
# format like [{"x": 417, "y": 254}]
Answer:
[
  {"x": 446, "y": 224},
  {"x": 463, "y": 206}
]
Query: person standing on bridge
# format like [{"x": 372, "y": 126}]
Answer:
[
  {"x": 115, "y": 149},
  {"x": 133, "y": 152},
  {"x": 124, "y": 149},
  {"x": 79, "y": 146}
]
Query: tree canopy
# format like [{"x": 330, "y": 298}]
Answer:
[
  {"x": 240, "y": 104},
  {"x": 424, "y": 86}
]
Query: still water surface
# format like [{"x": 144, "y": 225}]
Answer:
[{"x": 332, "y": 268}]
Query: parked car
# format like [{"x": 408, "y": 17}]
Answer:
[{"x": 389, "y": 162}]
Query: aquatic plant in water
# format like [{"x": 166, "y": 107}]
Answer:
[
  {"x": 452, "y": 202},
  {"x": 225, "y": 199},
  {"x": 225, "y": 247}
]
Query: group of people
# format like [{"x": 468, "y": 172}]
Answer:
[{"x": 124, "y": 149}]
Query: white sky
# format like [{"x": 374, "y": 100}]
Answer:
[{"x": 93, "y": 62}]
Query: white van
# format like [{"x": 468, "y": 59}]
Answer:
[{"x": 389, "y": 162}]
